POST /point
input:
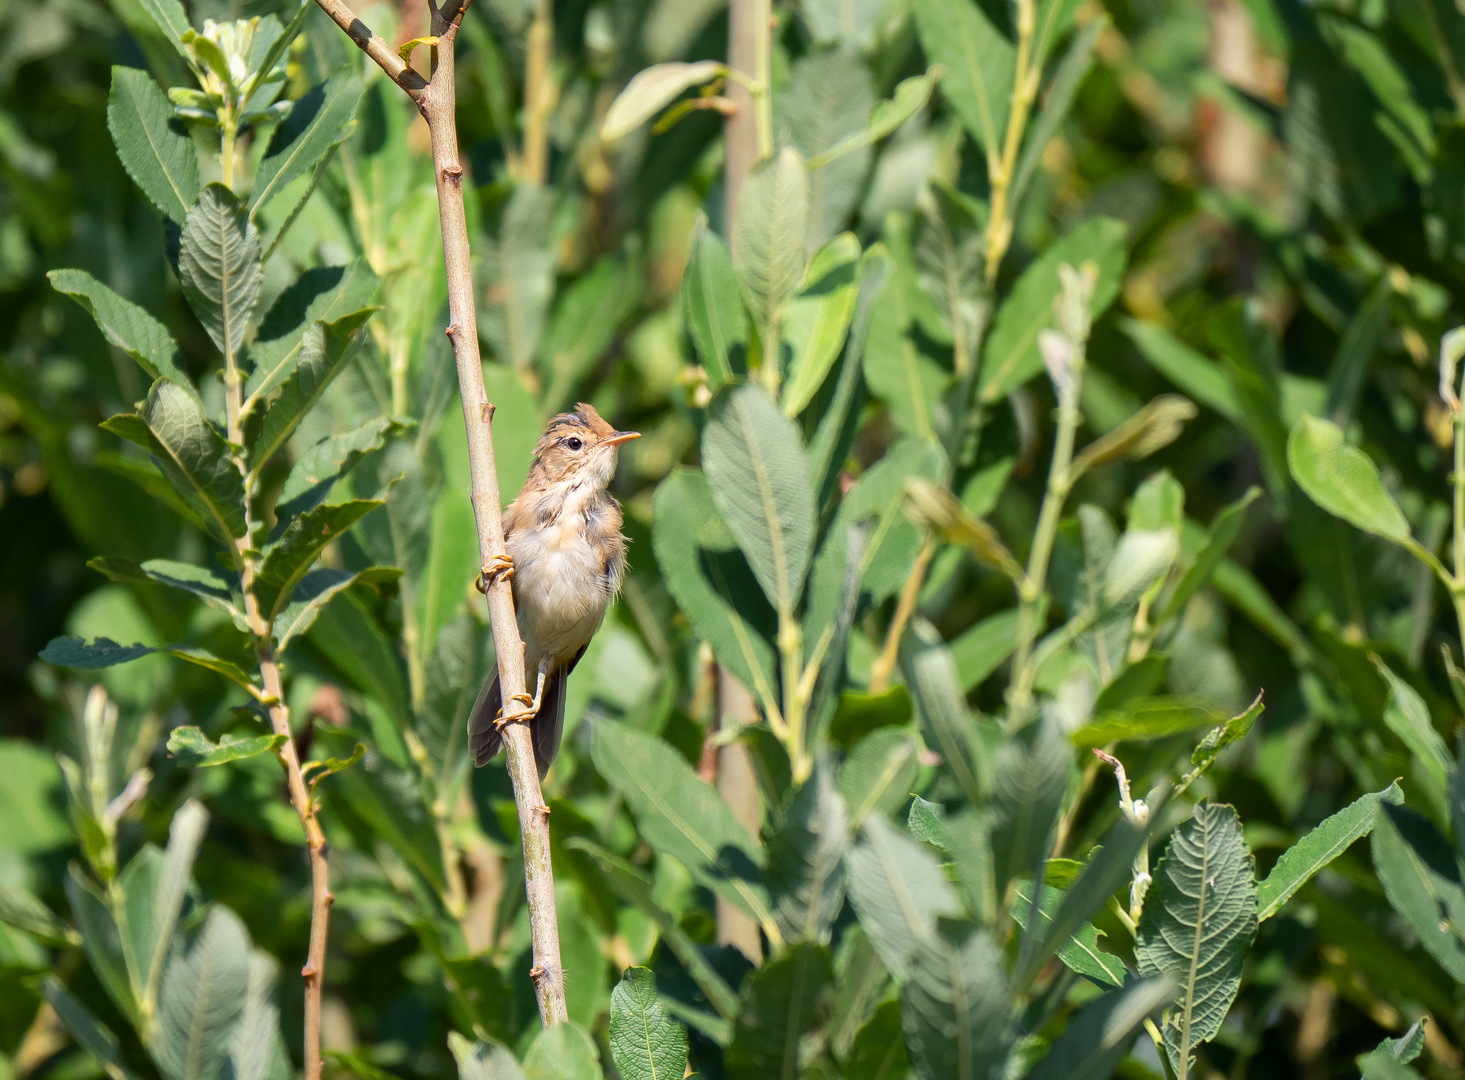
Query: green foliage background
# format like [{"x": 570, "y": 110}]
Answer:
[{"x": 1269, "y": 197}]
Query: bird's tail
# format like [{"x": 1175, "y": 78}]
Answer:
[{"x": 484, "y": 738}]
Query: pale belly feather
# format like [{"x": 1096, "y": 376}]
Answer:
[{"x": 559, "y": 591}]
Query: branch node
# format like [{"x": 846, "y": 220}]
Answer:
[
  {"x": 309, "y": 972},
  {"x": 486, "y": 411},
  {"x": 536, "y": 973}
]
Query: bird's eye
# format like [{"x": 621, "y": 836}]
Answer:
[{"x": 573, "y": 443}]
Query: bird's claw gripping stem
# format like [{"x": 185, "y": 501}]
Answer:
[
  {"x": 531, "y": 710},
  {"x": 498, "y": 567}
]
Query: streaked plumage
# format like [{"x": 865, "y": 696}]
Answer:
[{"x": 564, "y": 537}]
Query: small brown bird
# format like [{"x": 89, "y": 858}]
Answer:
[{"x": 566, "y": 560}]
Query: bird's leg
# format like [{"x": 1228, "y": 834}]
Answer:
[
  {"x": 498, "y": 566},
  {"x": 531, "y": 704}
]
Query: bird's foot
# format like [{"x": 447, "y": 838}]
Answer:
[
  {"x": 498, "y": 567},
  {"x": 531, "y": 710}
]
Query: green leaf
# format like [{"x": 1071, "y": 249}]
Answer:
[
  {"x": 194, "y": 749},
  {"x": 1081, "y": 951},
  {"x": 710, "y": 580},
  {"x": 519, "y": 276},
  {"x": 159, "y": 157},
  {"x": 165, "y": 902},
  {"x": 898, "y": 890},
  {"x": 908, "y": 381},
  {"x": 634, "y": 886},
  {"x": 76, "y": 652},
  {"x": 768, "y": 249},
  {"x": 1343, "y": 480},
  {"x": 1145, "y": 719},
  {"x": 325, "y": 351},
  {"x": 318, "y": 769},
  {"x": 878, "y": 773},
  {"x": 1099, "y": 1035},
  {"x": 955, "y": 1008},
  {"x": 1388, "y": 1061},
  {"x": 171, "y": 426},
  {"x": 1322, "y": 845},
  {"x": 806, "y": 875},
  {"x": 1201, "y": 378},
  {"x": 24, "y": 912},
  {"x": 909, "y": 98},
  {"x": 1058, "y": 99},
  {"x": 818, "y": 318},
  {"x": 258, "y": 1052},
  {"x": 101, "y": 939},
  {"x": 321, "y": 294},
  {"x": 1233, "y": 730},
  {"x": 1029, "y": 781},
  {"x": 1199, "y": 919},
  {"x": 1012, "y": 349},
  {"x": 213, "y": 590},
  {"x": 979, "y": 66},
  {"x": 682, "y": 816},
  {"x": 586, "y": 320},
  {"x": 483, "y": 1061},
  {"x": 218, "y": 263},
  {"x": 947, "y": 256},
  {"x": 1153, "y": 428},
  {"x": 170, "y": 19},
  {"x": 1408, "y": 717},
  {"x": 1421, "y": 878},
  {"x": 712, "y": 308},
  {"x": 202, "y": 1000},
  {"x": 652, "y": 90},
  {"x": 930, "y": 675},
  {"x": 645, "y": 1043},
  {"x": 288, "y": 559},
  {"x": 315, "y": 590},
  {"x": 86, "y": 1029},
  {"x": 321, "y": 465},
  {"x": 879, "y": 1051},
  {"x": 125, "y": 325},
  {"x": 1224, "y": 530},
  {"x": 828, "y": 96},
  {"x": 318, "y": 121},
  {"x": 779, "y": 1004},
  {"x": 760, "y": 483},
  {"x": 983, "y": 648},
  {"x": 562, "y": 1052}
]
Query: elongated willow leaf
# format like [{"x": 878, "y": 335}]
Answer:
[
  {"x": 1200, "y": 377},
  {"x": 325, "y": 351},
  {"x": 633, "y": 885},
  {"x": 160, "y": 159},
  {"x": 23, "y": 911},
  {"x": 909, "y": 98},
  {"x": 711, "y": 582},
  {"x": 878, "y": 773},
  {"x": 171, "y": 426},
  {"x": 759, "y": 478},
  {"x": 1408, "y": 717},
  {"x": 289, "y": 558},
  {"x": 166, "y": 899},
  {"x": 930, "y": 673},
  {"x": 898, "y": 890},
  {"x": 194, "y": 749},
  {"x": 652, "y": 90},
  {"x": 1219, "y": 538},
  {"x": 315, "y": 590},
  {"x": 645, "y": 1043},
  {"x": 1099, "y": 1035},
  {"x": 1029, "y": 780},
  {"x": 979, "y": 64},
  {"x": 218, "y": 263},
  {"x": 828, "y": 96},
  {"x": 955, "y": 1007},
  {"x": 779, "y": 1004},
  {"x": 318, "y": 121},
  {"x": 713, "y": 310},
  {"x": 818, "y": 319},
  {"x": 1081, "y": 953},
  {"x": 520, "y": 276},
  {"x": 317, "y": 469},
  {"x": 100, "y": 938},
  {"x": 1322, "y": 845},
  {"x": 1421, "y": 878},
  {"x": 86, "y": 1029},
  {"x": 806, "y": 873},
  {"x": 1343, "y": 480},
  {"x": 203, "y": 994},
  {"x": 212, "y": 588},
  {"x": 1199, "y": 919},
  {"x": 563, "y": 1052},
  {"x": 77, "y": 652},
  {"x": 258, "y": 1053},
  {"x": 681, "y": 815},
  {"x": 768, "y": 252},
  {"x": 125, "y": 325}
]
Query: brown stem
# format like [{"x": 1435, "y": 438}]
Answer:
[
  {"x": 538, "y": 94},
  {"x": 440, "y": 109},
  {"x": 905, "y": 607}
]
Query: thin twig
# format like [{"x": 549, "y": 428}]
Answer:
[
  {"x": 437, "y": 100},
  {"x": 905, "y": 607}
]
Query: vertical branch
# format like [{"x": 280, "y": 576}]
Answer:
[
  {"x": 538, "y": 93},
  {"x": 437, "y": 101},
  {"x": 439, "y": 106},
  {"x": 739, "y": 138}
]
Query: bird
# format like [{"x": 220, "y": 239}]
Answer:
[{"x": 566, "y": 559}]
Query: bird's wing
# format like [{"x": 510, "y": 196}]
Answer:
[
  {"x": 484, "y": 739},
  {"x": 549, "y": 726}
]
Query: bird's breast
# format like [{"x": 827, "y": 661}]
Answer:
[{"x": 559, "y": 589}]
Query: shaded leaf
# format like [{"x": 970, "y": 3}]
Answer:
[
  {"x": 712, "y": 308},
  {"x": 194, "y": 749},
  {"x": 1421, "y": 878},
  {"x": 806, "y": 874},
  {"x": 158, "y": 155},
  {"x": 202, "y": 999},
  {"x": 125, "y": 325},
  {"x": 768, "y": 251},
  {"x": 652, "y": 90},
  {"x": 318, "y": 121},
  {"x": 779, "y": 1004},
  {"x": 218, "y": 264},
  {"x": 898, "y": 891},
  {"x": 1099, "y": 1035},
  {"x": 645, "y": 1043},
  {"x": 818, "y": 318},
  {"x": 519, "y": 276},
  {"x": 955, "y": 1008},
  {"x": 979, "y": 66},
  {"x": 878, "y": 773}
]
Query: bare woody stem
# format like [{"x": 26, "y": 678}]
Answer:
[
  {"x": 437, "y": 100},
  {"x": 262, "y": 634}
]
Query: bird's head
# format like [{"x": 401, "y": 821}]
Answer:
[{"x": 578, "y": 446}]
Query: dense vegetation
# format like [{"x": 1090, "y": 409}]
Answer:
[{"x": 1042, "y": 649}]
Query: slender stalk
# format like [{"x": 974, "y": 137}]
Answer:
[
  {"x": 1000, "y": 168},
  {"x": 763, "y": 75},
  {"x": 1457, "y": 595},
  {"x": 791, "y": 653},
  {"x": 437, "y": 100},
  {"x": 884, "y": 665},
  {"x": 538, "y": 93}
]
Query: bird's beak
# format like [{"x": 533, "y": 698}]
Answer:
[{"x": 622, "y": 436}]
